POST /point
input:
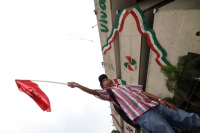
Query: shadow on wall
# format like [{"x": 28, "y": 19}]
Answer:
[{"x": 198, "y": 33}]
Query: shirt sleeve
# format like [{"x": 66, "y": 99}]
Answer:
[{"x": 103, "y": 95}]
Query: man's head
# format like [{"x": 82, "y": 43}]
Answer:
[
  {"x": 198, "y": 33},
  {"x": 105, "y": 82}
]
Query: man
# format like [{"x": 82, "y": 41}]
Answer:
[{"x": 152, "y": 113}]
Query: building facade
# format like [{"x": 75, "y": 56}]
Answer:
[{"x": 139, "y": 37}]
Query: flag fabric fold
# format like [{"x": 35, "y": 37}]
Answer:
[{"x": 33, "y": 91}]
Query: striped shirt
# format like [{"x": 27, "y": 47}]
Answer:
[{"x": 130, "y": 98}]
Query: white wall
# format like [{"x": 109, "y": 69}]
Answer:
[
  {"x": 175, "y": 30},
  {"x": 109, "y": 57},
  {"x": 130, "y": 45}
]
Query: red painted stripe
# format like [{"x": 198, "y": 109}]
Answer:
[
  {"x": 114, "y": 37},
  {"x": 117, "y": 31},
  {"x": 107, "y": 49},
  {"x": 128, "y": 58},
  {"x": 130, "y": 68},
  {"x": 148, "y": 38},
  {"x": 116, "y": 81},
  {"x": 153, "y": 49},
  {"x": 137, "y": 21},
  {"x": 123, "y": 19}
]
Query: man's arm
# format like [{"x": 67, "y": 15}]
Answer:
[
  {"x": 162, "y": 101},
  {"x": 83, "y": 88},
  {"x": 150, "y": 96}
]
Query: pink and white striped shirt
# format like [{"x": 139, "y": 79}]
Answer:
[{"x": 130, "y": 98}]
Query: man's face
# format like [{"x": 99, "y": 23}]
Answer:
[
  {"x": 107, "y": 82},
  {"x": 198, "y": 34}
]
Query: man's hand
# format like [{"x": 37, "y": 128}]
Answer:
[
  {"x": 162, "y": 101},
  {"x": 83, "y": 88},
  {"x": 167, "y": 104},
  {"x": 72, "y": 84}
]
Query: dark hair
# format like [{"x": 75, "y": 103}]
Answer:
[
  {"x": 197, "y": 33},
  {"x": 101, "y": 77}
]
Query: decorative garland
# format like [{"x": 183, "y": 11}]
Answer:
[
  {"x": 143, "y": 29},
  {"x": 119, "y": 81},
  {"x": 130, "y": 65}
]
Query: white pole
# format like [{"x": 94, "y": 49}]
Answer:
[{"x": 49, "y": 82}]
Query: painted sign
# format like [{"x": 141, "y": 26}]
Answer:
[
  {"x": 130, "y": 63},
  {"x": 103, "y": 20},
  {"x": 143, "y": 28}
]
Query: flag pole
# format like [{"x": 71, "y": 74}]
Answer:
[{"x": 50, "y": 82}]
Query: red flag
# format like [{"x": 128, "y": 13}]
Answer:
[{"x": 33, "y": 90}]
